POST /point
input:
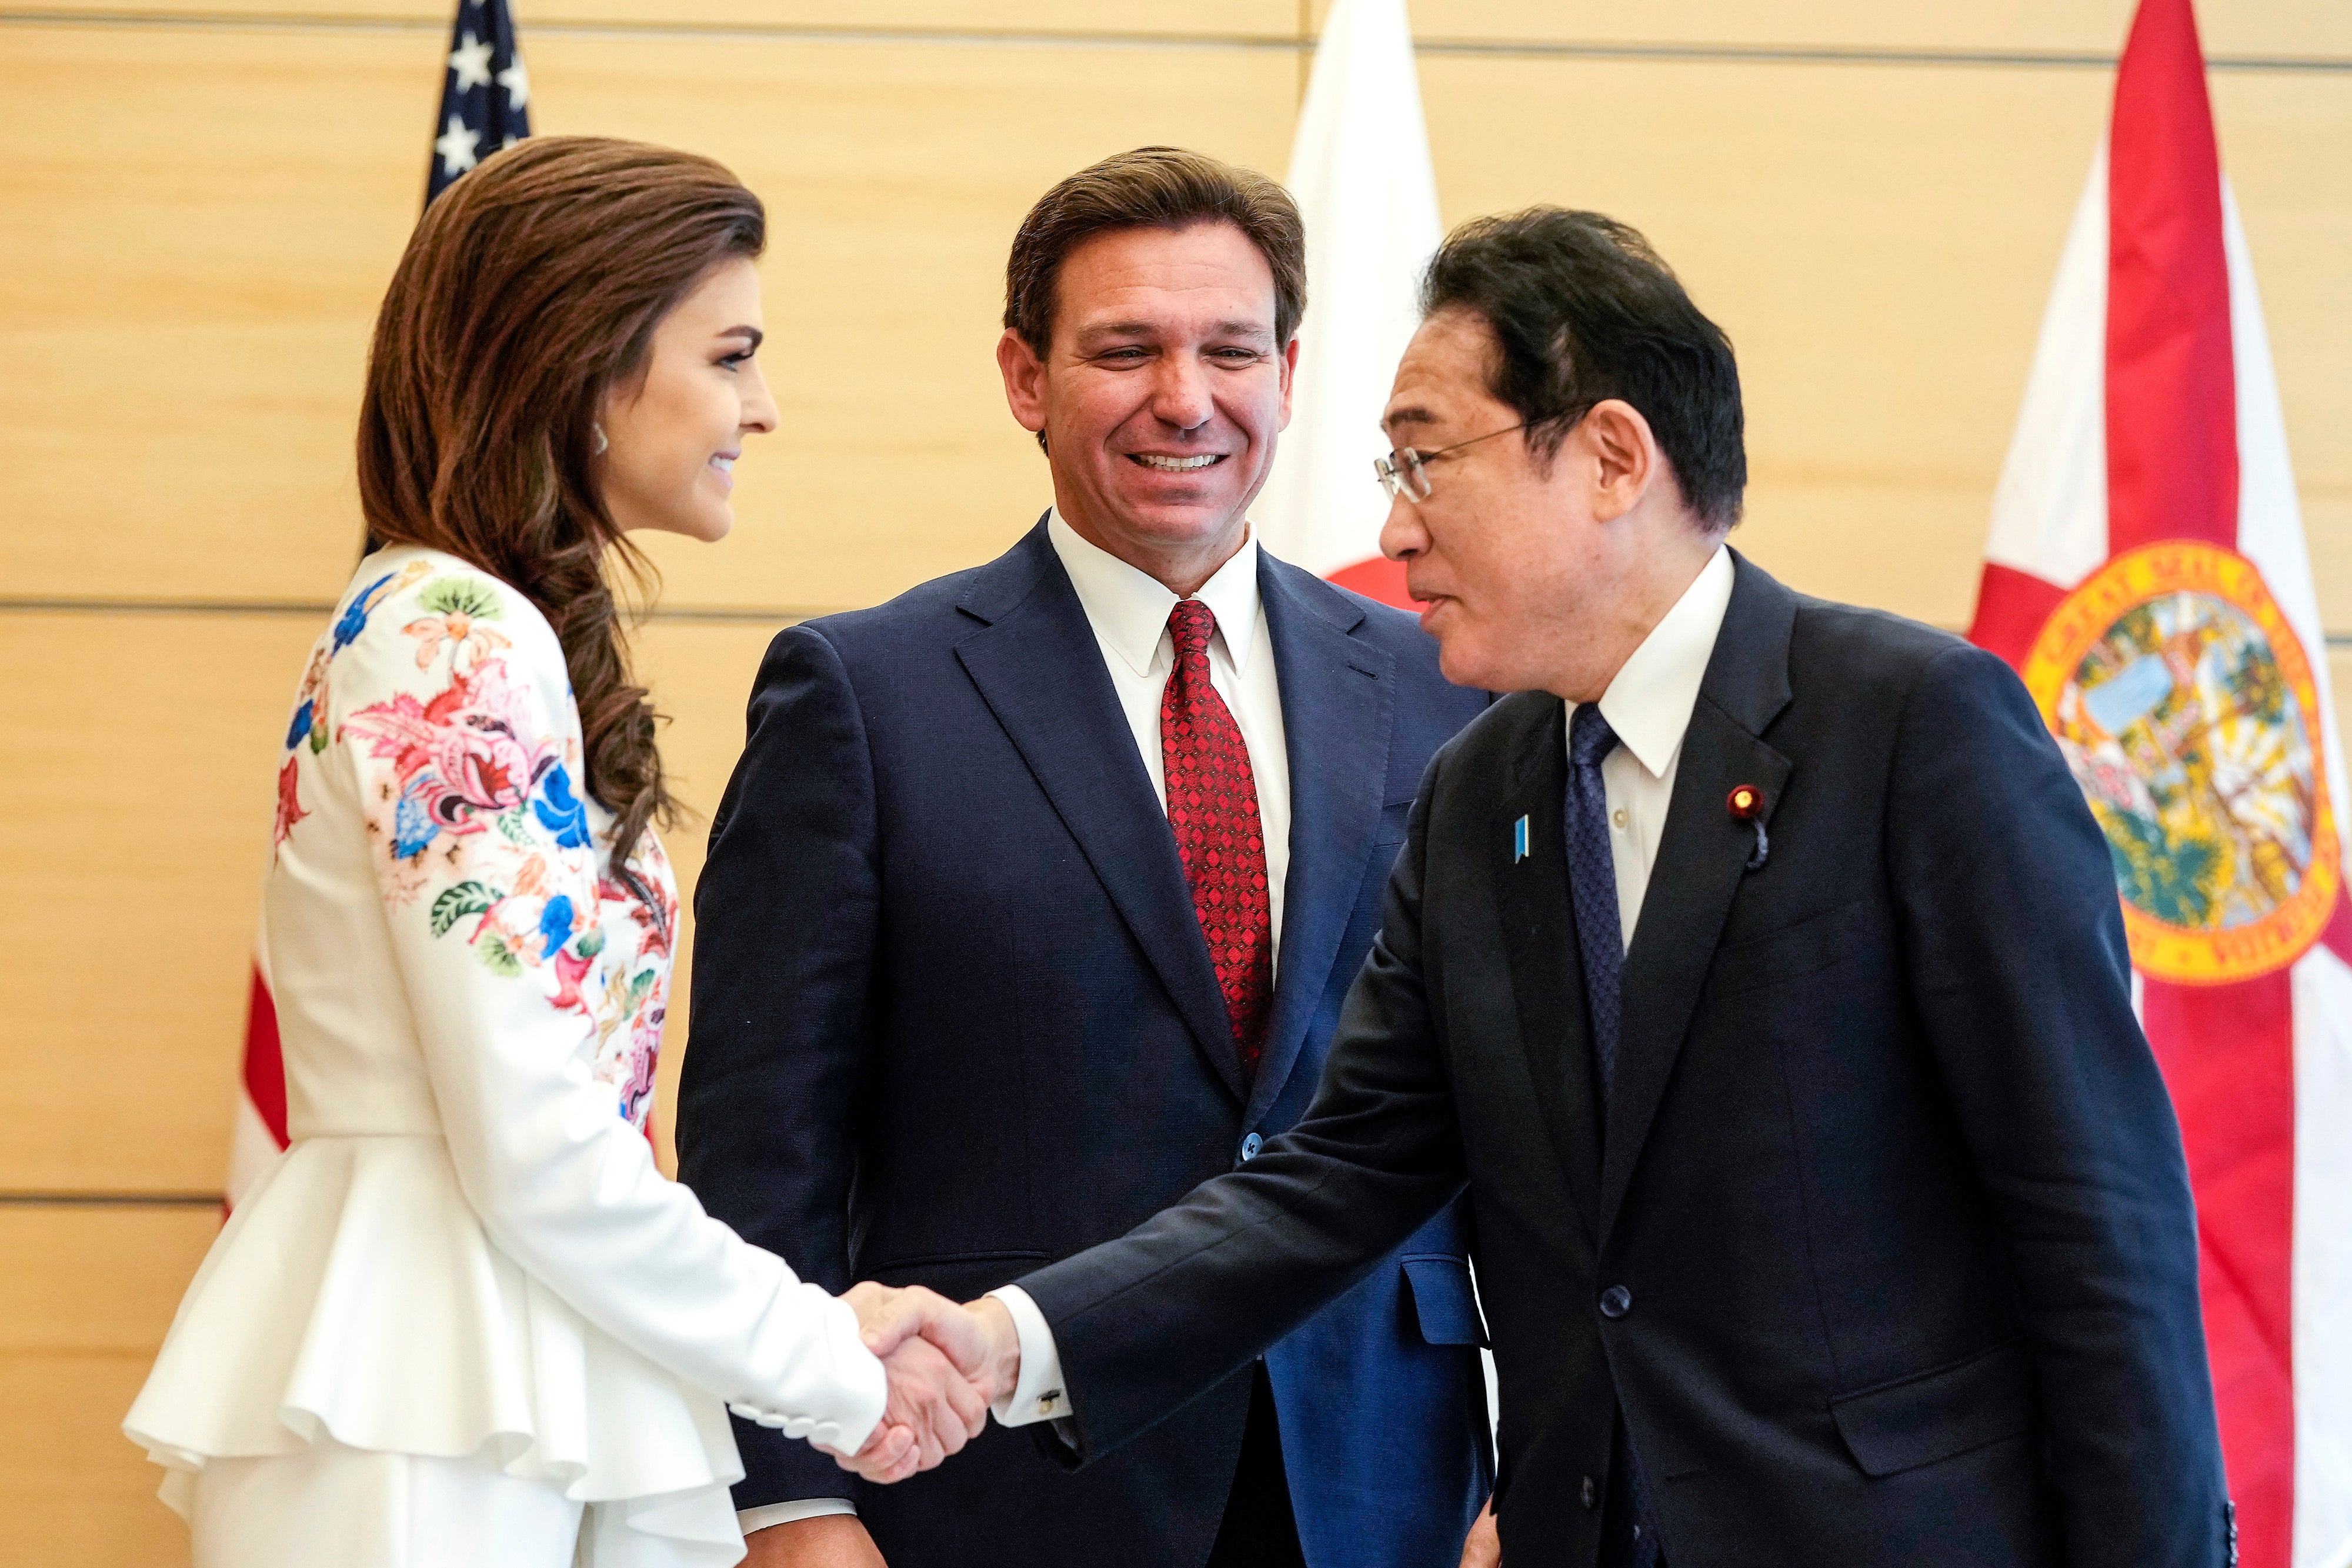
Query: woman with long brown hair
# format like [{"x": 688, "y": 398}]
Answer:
[{"x": 464, "y": 1319}]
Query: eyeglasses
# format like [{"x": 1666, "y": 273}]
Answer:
[{"x": 1400, "y": 473}]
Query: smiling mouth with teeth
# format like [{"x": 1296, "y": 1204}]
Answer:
[{"x": 1176, "y": 465}]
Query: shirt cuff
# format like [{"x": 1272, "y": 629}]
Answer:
[
  {"x": 1038, "y": 1395},
  {"x": 752, "y": 1519}
]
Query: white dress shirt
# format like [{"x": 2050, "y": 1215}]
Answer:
[
  {"x": 1648, "y": 704},
  {"x": 1128, "y": 610}
]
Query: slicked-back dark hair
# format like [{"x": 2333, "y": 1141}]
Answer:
[
  {"x": 1152, "y": 187},
  {"x": 1582, "y": 310}
]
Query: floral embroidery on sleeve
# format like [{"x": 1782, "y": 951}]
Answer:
[
  {"x": 289, "y": 802},
  {"x": 309, "y": 720},
  {"x": 463, "y": 758},
  {"x": 472, "y": 769},
  {"x": 354, "y": 619},
  {"x": 475, "y": 816},
  {"x": 459, "y": 607},
  {"x": 641, "y": 910}
]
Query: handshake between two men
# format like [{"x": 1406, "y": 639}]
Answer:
[{"x": 947, "y": 1364}]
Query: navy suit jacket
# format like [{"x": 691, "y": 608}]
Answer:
[
  {"x": 1880, "y": 1244},
  {"x": 953, "y": 1018}
]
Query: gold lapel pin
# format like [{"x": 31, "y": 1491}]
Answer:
[{"x": 1746, "y": 804}]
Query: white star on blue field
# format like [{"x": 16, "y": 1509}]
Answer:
[{"x": 485, "y": 93}]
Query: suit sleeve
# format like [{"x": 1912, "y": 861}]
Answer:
[
  {"x": 785, "y": 922},
  {"x": 2020, "y": 972},
  {"x": 1147, "y": 1322}
]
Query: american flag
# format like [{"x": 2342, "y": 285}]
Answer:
[
  {"x": 485, "y": 93},
  {"x": 484, "y": 105}
]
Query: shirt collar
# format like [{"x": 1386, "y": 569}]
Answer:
[
  {"x": 1650, "y": 701},
  {"x": 1129, "y": 608}
]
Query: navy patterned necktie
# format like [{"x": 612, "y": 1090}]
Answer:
[
  {"x": 1629, "y": 1537},
  {"x": 1592, "y": 883}
]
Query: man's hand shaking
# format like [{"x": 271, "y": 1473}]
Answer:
[{"x": 946, "y": 1364}]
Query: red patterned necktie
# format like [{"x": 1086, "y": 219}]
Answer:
[{"x": 1213, "y": 806}]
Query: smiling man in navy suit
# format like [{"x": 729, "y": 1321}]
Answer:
[{"x": 1033, "y": 902}]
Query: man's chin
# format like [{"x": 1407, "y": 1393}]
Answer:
[
  {"x": 1462, "y": 656},
  {"x": 1178, "y": 520}
]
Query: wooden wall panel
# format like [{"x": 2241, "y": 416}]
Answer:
[
  {"x": 136, "y": 785},
  {"x": 84, "y": 1302},
  {"x": 182, "y": 333},
  {"x": 96, "y": 1280},
  {"x": 2288, "y": 27},
  {"x": 77, "y": 1493},
  {"x": 198, "y": 226},
  {"x": 1880, "y": 244},
  {"x": 2292, "y": 27},
  {"x": 1245, "y": 19},
  {"x": 1879, "y": 241}
]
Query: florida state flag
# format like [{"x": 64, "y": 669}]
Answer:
[{"x": 2146, "y": 576}]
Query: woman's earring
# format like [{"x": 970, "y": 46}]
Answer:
[{"x": 597, "y": 430}]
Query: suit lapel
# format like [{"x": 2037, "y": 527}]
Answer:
[
  {"x": 1040, "y": 670},
  {"x": 1539, "y": 943},
  {"x": 1338, "y": 715},
  {"x": 1702, "y": 857}
]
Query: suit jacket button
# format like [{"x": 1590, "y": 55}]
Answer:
[
  {"x": 1591, "y": 1494},
  {"x": 1616, "y": 1301},
  {"x": 1251, "y": 1145}
]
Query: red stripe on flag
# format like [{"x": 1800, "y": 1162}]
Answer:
[
  {"x": 2228, "y": 1056},
  {"x": 2226, "y": 1051},
  {"x": 1379, "y": 578},
  {"x": 2011, "y": 607},
  {"x": 2172, "y": 415},
  {"x": 265, "y": 1070},
  {"x": 2338, "y": 937}
]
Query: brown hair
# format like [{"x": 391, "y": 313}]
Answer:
[
  {"x": 529, "y": 291},
  {"x": 1152, "y": 187}
]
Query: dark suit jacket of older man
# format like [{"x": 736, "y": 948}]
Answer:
[
  {"x": 1882, "y": 1242},
  {"x": 954, "y": 1017}
]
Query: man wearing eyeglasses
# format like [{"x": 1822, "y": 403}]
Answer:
[
  {"x": 1758, "y": 967},
  {"x": 1032, "y": 904}
]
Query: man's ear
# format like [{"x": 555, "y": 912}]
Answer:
[
  {"x": 1289, "y": 379},
  {"x": 1024, "y": 380},
  {"x": 1625, "y": 455}
]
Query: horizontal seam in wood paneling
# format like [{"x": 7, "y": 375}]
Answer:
[
  {"x": 1853, "y": 55},
  {"x": 757, "y": 615},
  {"x": 709, "y": 614},
  {"x": 93, "y": 1200},
  {"x": 964, "y": 37}
]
